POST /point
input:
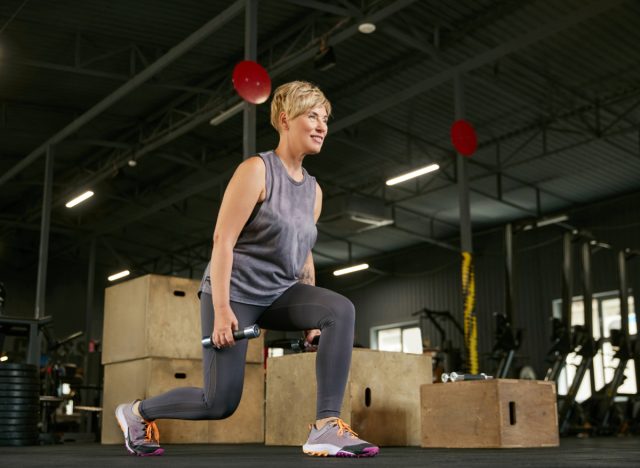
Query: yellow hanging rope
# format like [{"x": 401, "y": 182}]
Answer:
[{"x": 470, "y": 320}]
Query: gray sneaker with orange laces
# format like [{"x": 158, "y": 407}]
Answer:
[
  {"x": 337, "y": 439},
  {"x": 141, "y": 437}
]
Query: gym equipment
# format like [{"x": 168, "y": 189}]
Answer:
[
  {"x": 571, "y": 414},
  {"x": 455, "y": 377},
  {"x": 447, "y": 357},
  {"x": 561, "y": 328},
  {"x": 19, "y": 390},
  {"x": 296, "y": 345},
  {"x": 252, "y": 331},
  {"x": 251, "y": 81},
  {"x": 601, "y": 408}
]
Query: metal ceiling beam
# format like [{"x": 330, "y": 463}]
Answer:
[
  {"x": 172, "y": 55},
  {"x": 577, "y": 16},
  {"x": 321, "y": 6}
]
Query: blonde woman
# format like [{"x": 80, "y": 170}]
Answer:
[{"x": 261, "y": 271}]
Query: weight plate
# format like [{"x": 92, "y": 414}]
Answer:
[
  {"x": 19, "y": 380},
  {"x": 17, "y": 366},
  {"x": 20, "y": 435},
  {"x": 18, "y": 409},
  {"x": 27, "y": 419},
  {"x": 18, "y": 394},
  {"x": 18, "y": 373},
  {"x": 20, "y": 387},
  {"x": 24, "y": 400},
  {"x": 18, "y": 414},
  {"x": 20, "y": 442},
  {"x": 7, "y": 431}
]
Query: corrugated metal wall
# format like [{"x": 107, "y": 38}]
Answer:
[{"x": 538, "y": 262}]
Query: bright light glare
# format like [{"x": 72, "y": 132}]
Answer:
[
  {"x": 79, "y": 199},
  {"x": 117, "y": 276},
  {"x": 348, "y": 270},
  {"x": 412, "y": 174}
]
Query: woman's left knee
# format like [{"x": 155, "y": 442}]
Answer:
[{"x": 343, "y": 309}]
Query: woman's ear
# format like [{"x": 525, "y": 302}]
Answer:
[{"x": 284, "y": 122}]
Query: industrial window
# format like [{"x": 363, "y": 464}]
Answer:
[
  {"x": 398, "y": 337},
  {"x": 606, "y": 316}
]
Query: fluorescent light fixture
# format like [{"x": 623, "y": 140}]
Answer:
[
  {"x": 552, "y": 220},
  {"x": 224, "y": 115},
  {"x": 412, "y": 174},
  {"x": 79, "y": 199},
  {"x": 366, "y": 28},
  {"x": 117, "y": 276},
  {"x": 4, "y": 358},
  {"x": 345, "y": 271},
  {"x": 372, "y": 222}
]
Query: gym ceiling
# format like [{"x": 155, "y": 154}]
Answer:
[{"x": 551, "y": 88}]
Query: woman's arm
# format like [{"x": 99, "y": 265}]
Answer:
[
  {"x": 308, "y": 273},
  {"x": 245, "y": 189}
]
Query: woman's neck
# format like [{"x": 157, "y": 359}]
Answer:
[{"x": 292, "y": 160}]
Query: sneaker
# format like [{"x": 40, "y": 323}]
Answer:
[
  {"x": 141, "y": 437},
  {"x": 337, "y": 439}
]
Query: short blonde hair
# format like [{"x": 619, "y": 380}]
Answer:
[{"x": 294, "y": 99}]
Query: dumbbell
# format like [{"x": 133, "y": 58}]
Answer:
[
  {"x": 249, "y": 332},
  {"x": 455, "y": 377}
]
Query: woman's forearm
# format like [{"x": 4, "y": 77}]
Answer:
[{"x": 220, "y": 273}]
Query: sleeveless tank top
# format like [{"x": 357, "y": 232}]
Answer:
[{"x": 274, "y": 244}]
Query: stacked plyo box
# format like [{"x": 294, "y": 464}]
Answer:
[
  {"x": 381, "y": 401},
  {"x": 152, "y": 344}
]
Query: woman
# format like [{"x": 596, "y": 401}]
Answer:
[{"x": 261, "y": 271}]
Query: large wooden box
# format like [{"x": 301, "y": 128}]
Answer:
[
  {"x": 156, "y": 316},
  {"x": 499, "y": 413},
  {"x": 381, "y": 402},
  {"x": 144, "y": 378}
]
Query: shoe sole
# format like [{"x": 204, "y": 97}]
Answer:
[
  {"x": 368, "y": 452},
  {"x": 122, "y": 422}
]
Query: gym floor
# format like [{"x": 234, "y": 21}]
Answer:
[{"x": 609, "y": 452}]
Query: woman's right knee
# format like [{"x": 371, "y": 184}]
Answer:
[{"x": 222, "y": 409}]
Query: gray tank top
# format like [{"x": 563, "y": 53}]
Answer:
[{"x": 274, "y": 244}]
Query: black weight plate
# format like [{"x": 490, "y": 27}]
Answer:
[
  {"x": 20, "y": 387},
  {"x": 26, "y": 419},
  {"x": 18, "y": 394},
  {"x": 18, "y": 373},
  {"x": 19, "y": 408},
  {"x": 25, "y": 400},
  {"x": 19, "y": 380},
  {"x": 19, "y": 442},
  {"x": 13, "y": 429},
  {"x": 18, "y": 414},
  {"x": 20, "y": 435},
  {"x": 17, "y": 366}
]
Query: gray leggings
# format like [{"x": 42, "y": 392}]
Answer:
[{"x": 301, "y": 307}]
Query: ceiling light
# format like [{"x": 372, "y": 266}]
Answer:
[
  {"x": 117, "y": 276},
  {"x": 79, "y": 199},
  {"x": 132, "y": 162},
  {"x": 412, "y": 174},
  {"x": 345, "y": 271},
  {"x": 366, "y": 27},
  {"x": 4, "y": 358}
]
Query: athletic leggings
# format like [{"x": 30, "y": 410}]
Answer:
[{"x": 301, "y": 307}]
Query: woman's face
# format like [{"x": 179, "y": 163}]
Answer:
[{"x": 309, "y": 129}]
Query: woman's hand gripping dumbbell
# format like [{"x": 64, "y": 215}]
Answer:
[{"x": 252, "y": 331}]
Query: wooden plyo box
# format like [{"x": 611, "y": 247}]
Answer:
[
  {"x": 503, "y": 413},
  {"x": 157, "y": 316},
  {"x": 144, "y": 378},
  {"x": 381, "y": 401}
]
